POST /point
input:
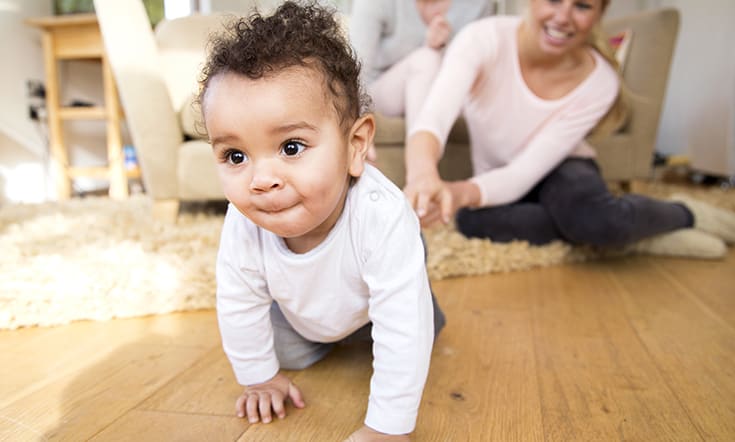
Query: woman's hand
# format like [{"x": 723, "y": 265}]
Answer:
[
  {"x": 438, "y": 201},
  {"x": 260, "y": 400},
  {"x": 430, "y": 197},
  {"x": 367, "y": 434}
]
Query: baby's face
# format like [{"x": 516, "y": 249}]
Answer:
[
  {"x": 282, "y": 157},
  {"x": 428, "y": 9}
]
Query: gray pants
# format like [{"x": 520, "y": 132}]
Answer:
[
  {"x": 296, "y": 352},
  {"x": 572, "y": 203}
]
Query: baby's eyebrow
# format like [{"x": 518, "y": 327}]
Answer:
[
  {"x": 289, "y": 127},
  {"x": 227, "y": 139}
]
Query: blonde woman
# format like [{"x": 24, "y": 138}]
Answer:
[{"x": 531, "y": 88}]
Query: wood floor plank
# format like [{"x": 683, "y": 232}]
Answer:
[
  {"x": 695, "y": 353},
  {"x": 712, "y": 282},
  {"x": 482, "y": 383},
  {"x": 40, "y": 356},
  {"x": 207, "y": 387},
  {"x": 597, "y": 380},
  {"x": 141, "y": 425},
  {"x": 107, "y": 373}
]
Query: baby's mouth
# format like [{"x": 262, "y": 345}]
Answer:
[{"x": 272, "y": 208}]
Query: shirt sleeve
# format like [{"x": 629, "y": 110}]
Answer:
[
  {"x": 365, "y": 29},
  {"x": 401, "y": 312},
  {"x": 552, "y": 143},
  {"x": 243, "y": 303},
  {"x": 460, "y": 67}
]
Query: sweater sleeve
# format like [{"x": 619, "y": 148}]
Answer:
[
  {"x": 366, "y": 27},
  {"x": 550, "y": 144},
  {"x": 401, "y": 312},
  {"x": 460, "y": 68},
  {"x": 243, "y": 303}
]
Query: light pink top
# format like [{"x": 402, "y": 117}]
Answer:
[{"x": 516, "y": 137}]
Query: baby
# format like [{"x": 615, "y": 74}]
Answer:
[{"x": 317, "y": 246}]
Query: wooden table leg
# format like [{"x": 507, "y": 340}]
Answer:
[
  {"x": 115, "y": 157},
  {"x": 59, "y": 156}
]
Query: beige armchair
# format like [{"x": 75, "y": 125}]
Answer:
[
  {"x": 156, "y": 75},
  {"x": 623, "y": 156}
]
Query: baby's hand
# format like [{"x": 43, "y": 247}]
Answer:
[
  {"x": 257, "y": 401},
  {"x": 438, "y": 32},
  {"x": 367, "y": 434}
]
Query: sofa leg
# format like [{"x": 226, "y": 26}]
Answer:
[{"x": 166, "y": 210}]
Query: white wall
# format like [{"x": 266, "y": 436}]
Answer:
[
  {"x": 699, "y": 112},
  {"x": 20, "y": 51},
  {"x": 22, "y": 145}
]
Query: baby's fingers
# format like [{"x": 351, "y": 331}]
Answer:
[
  {"x": 296, "y": 397},
  {"x": 240, "y": 405},
  {"x": 251, "y": 407},
  {"x": 279, "y": 406},
  {"x": 264, "y": 406}
]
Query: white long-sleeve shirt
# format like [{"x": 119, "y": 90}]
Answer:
[
  {"x": 383, "y": 32},
  {"x": 369, "y": 268},
  {"x": 516, "y": 137}
]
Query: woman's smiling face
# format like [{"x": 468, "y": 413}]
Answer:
[{"x": 560, "y": 26}]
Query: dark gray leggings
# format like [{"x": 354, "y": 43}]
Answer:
[
  {"x": 295, "y": 352},
  {"x": 572, "y": 203}
]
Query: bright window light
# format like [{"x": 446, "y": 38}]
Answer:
[{"x": 176, "y": 8}]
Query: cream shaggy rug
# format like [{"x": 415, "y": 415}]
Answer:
[{"x": 97, "y": 259}]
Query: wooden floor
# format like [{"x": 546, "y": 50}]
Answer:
[{"x": 627, "y": 349}]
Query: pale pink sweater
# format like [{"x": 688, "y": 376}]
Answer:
[{"x": 516, "y": 137}]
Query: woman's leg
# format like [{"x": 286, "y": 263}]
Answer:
[
  {"x": 585, "y": 212},
  {"x": 402, "y": 89},
  {"x": 573, "y": 204},
  {"x": 526, "y": 221}
]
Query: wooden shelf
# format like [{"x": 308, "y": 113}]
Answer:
[
  {"x": 83, "y": 113},
  {"x": 90, "y": 172},
  {"x": 77, "y": 36}
]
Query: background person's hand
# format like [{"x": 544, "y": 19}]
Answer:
[
  {"x": 430, "y": 197},
  {"x": 259, "y": 402},
  {"x": 438, "y": 32}
]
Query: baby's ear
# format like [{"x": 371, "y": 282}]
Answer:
[{"x": 360, "y": 140}]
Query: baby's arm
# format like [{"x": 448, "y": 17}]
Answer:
[
  {"x": 257, "y": 401},
  {"x": 400, "y": 309}
]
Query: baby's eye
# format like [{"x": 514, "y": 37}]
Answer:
[
  {"x": 292, "y": 148},
  {"x": 235, "y": 157}
]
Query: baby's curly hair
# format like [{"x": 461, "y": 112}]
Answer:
[{"x": 296, "y": 34}]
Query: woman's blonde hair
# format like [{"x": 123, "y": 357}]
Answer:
[{"x": 617, "y": 115}]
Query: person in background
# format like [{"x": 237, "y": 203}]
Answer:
[
  {"x": 400, "y": 45},
  {"x": 531, "y": 89},
  {"x": 317, "y": 247}
]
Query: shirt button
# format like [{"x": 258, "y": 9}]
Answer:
[{"x": 374, "y": 196}]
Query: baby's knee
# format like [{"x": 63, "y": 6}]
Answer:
[
  {"x": 425, "y": 59},
  {"x": 302, "y": 356}
]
